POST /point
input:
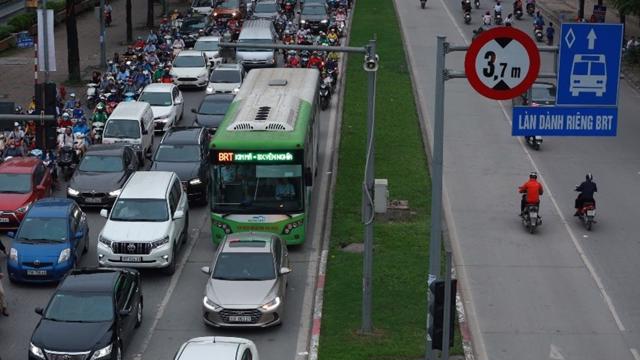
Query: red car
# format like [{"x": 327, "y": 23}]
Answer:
[{"x": 23, "y": 180}]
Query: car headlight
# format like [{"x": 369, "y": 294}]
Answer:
[
  {"x": 115, "y": 193},
  {"x": 233, "y": 14},
  {"x": 158, "y": 243},
  {"x": 36, "y": 351},
  {"x": 271, "y": 305},
  {"x": 73, "y": 192},
  {"x": 210, "y": 304},
  {"x": 323, "y": 21},
  {"x": 303, "y": 21},
  {"x": 136, "y": 146},
  {"x": 64, "y": 255},
  {"x": 24, "y": 208},
  {"x": 105, "y": 351},
  {"x": 209, "y": 89},
  {"x": 236, "y": 90},
  {"x": 195, "y": 181},
  {"x": 104, "y": 240},
  {"x": 13, "y": 254}
]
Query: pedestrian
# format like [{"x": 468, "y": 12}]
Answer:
[
  {"x": 3, "y": 300},
  {"x": 550, "y": 32}
]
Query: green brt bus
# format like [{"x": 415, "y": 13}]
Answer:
[{"x": 264, "y": 155}]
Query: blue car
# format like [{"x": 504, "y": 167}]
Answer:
[{"x": 49, "y": 242}]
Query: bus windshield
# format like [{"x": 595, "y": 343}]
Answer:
[{"x": 256, "y": 188}]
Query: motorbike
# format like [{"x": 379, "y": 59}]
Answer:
[
  {"x": 534, "y": 141},
  {"x": 92, "y": 95},
  {"x": 325, "y": 95},
  {"x": 587, "y": 214},
  {"x": 497, "y": 18},
  {"x": 467, "y": 17},
  {"x": 531, "y": 8},
  {"x": 537, "y": 32},
  {"x": 423, "y": 3},
  {"x": 304, "y": 58},
  {"x": 518, "y": 13},
  {"x": 476, "y": 3},
  {"x": 67, "y": 161},
  {"x": 531, "y": 218}
]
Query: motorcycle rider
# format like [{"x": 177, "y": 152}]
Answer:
[
  {"x": 332, "y": 36},
  {"x": 178, "y": 45},
  {"x": 497, "y": 9},
  {"x": 152, "y": 37},
  {"x": 508, "y": 21},
  {"x": 586, "y": 189},
  {"x": 123, "y": 74},
  {"x": 67, "y": 138},
  {"x": 149, "y": 47},
  {"x": 517, "y": 5},
  {"x": 550, "y": 32},
  {"x": 486, "y": 19},
  {"x": 81, "y": 127},
  {"x": 315, "y": 61},
  {"x": 100, "y": 115},
  {"x": 293, "y": 60},
  {"x": 538, "y": 20},
  {"x": 13, "y": 149},
  {"x": 531, "y": 191},
  {"x": 65, "y": 120},
  {"x": 71, "y": 103}
]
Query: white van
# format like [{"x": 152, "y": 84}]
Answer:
[
  {"x": 131, "y": 123},
  {"x": 257, "y": 32}
]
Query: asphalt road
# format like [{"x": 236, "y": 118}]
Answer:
[
  {"x": 172, "y": 312},
  {"x": 562, "y": 293}
]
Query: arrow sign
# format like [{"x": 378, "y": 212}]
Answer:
[{"x": 592, "y": 39}]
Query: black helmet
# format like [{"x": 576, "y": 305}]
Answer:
[
  {"x": 533, "y": 175},
  {"x": 589, "y": 177}
]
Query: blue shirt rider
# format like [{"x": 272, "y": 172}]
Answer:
[{"x": 71, "y": 103}]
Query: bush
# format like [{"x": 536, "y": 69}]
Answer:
[
  {"x": 22, "y": 21},
  {"x": 632, "y": 55},
  {"x": 56, "y": 5},
  {"x": 5, "y": 31}
]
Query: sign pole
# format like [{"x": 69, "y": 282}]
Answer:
[
  {"x": 45, "y": 43},
  {"x": 103, "y": 49}
]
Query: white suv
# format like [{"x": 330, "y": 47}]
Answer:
[
  {"x": 149, "y": 221},
  {"x": 217, "y": 347}
]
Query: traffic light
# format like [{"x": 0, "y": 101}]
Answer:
[{"x": 436, "y": 311}]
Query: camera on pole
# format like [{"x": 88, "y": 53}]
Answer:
[
  {"x": 371, "y": 63},
  {"x": 436, "y": 311}
]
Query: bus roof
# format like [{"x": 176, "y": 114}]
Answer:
[{"x": 273, "y": 110}]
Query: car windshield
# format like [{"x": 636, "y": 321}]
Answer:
[
  {"x": 244, "y": 266},
  {"x": 255, "y": 41},
  {"x": 266, "y": 7},
  {"x": 192, "y": 25},
  {"x": 230, "y": 4},
  {"x": 201, "y": 3},
  {"x": 101, "y": 163},
  {"x": 178, "y": 153},
  {"x": 15, "y": 183},
  {"x": 543, "y": 93},
  {"x": 123, "y": 129},
  {"x": 251, "y": 189},
  {"x": 225, "y": 76},
  {"x": 314, "y": 10},
  {"x": 140, "y": 210},
  {"x": 208, "y": 45},
  {"x": 80, "y": 307},
  {"x": 213, "y": 107},
  {"x": 156, "y": 98},
  {"x": 41, "y": 229},
  {"x": 188, "y": 61}
]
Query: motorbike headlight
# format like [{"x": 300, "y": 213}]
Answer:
[
  {"x": 105, "y": 351},
  {"x": 64, "y": 255},
  {"x": 73, "y": 192},
  {"x": 13, "y": 254},
  {"x": 215, "y": 13},
  {"x": 158, "y": 243},
  {"x": 104, "y": 240},
  {"x": 195, "y": 181},
  {"x": 136, "y": 146},
  {"x": 233, "y": 14},
  {"x": 209, "y": 304},
  {"x": 24, "y": 208},
  {"x": 115, "y": 193},
  {"x": 271, "y": 305},
  {"x": 303, "y": 21},
  {"x": 36, "y": 351}
]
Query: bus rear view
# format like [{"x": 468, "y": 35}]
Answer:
[{"x": 588, "y": 74}]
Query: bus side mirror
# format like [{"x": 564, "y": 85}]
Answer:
[{"x": 308, "y": 176}]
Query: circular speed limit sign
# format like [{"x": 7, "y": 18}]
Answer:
[{"x": 502, "y": 63}]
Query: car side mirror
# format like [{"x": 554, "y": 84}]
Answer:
[
  {"x": 194, "y": 111},
  {"x": 206, "y": 270},
  {"x": 179, "y": 214},
  {"x": 11, "y": 234},
  {"x": 284, "y": 270},
  {"x": 124, "y": 313},
  {"x": 79, "y": 234},
  {"x": 39, "y": 311},
  {"x": 104, "y": 213}
]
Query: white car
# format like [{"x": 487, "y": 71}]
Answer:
[
  {"x": 226, "y": 78},
  {"x": 209, "y": 46},
  {"x": 219, "y": 348},
  {"x": 167, "y": 104},
  {"x": 149, "y": 221},
  {"x": 202, "y": 6},
  {"x": 190, "y": 68}
]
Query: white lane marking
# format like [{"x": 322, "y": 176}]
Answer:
[
  {"x": 574, "y": 239},
  {"x": 554, "y": 353},
  {"x": 172, "y": 286},
  {"x": 635, "y": 353}
]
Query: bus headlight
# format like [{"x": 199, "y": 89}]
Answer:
[{"x": 290, "y": 226}]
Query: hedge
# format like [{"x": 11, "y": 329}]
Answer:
[
  {"x": 56, "y": 5},
  {"x": 22, "y": 21},
  {"x": 5, "y": 31}
]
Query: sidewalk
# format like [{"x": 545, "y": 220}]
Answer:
[{"x": 16, "y": 66}]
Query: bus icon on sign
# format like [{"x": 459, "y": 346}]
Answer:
[{"x": 588, "y": 74}]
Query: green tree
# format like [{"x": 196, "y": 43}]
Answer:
[{"x": 73, "y": 49}]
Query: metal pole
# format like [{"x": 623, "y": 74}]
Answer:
[
  {"x": 103, "y": 49},
  {"x": 367, "y": 201},
  {"x": 447, "y": 306},
  {"x": 45, "y": 43},
  {"x": 436, "y": 182}
]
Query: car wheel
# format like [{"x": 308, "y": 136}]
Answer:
[
  {"x": 139, "y": 314},
  {"x": 169, "y": 270}
]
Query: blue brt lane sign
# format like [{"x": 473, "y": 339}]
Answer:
[{"x": 564, "y": 121}]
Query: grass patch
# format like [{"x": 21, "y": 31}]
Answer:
[{"x": 401, "y": 249}]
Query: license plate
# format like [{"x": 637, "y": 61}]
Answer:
[
  {"x": 37, "y": 272},
  {"x": 240, "y": 318},
  {"x": 93, "y": 200},
  {"x": 4, "y": 220},
  {"x": 131, "y": 258},
  {"x": 591, "y": 213}
]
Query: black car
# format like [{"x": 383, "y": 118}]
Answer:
[
  {"x": 184, "y": 150},
  {"x": 212, "y": 109},
  {"x": 542, "y": 94},
  {"x": 91, "y": 315},
  {"x": 101, "y": 174},
  {"x": 194, "y": 26},
  {"x": 314, "y": 17}
]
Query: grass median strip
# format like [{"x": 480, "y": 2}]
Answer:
[{"x": 401, "y": 248}]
